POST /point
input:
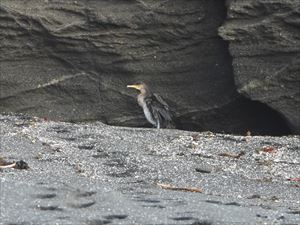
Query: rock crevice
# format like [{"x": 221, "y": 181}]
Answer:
[{"x": 264, "y": 41}]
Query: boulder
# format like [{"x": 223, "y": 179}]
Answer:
[{"x": 264, "y": 41}]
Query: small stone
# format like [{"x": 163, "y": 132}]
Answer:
[{"x": 203, "y": 170}]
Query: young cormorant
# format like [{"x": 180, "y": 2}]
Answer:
[{"x": 156, "y": 110}]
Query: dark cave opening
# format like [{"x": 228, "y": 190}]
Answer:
[{"x": 238, "y": 118}]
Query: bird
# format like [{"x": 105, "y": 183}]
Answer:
[{"x": 156, "y": 110}]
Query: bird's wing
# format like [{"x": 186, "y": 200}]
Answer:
[
  {"x": 160, "y": 100},
  {"x": 159, "y": 108},
  {"x": 171, "y": 113}
]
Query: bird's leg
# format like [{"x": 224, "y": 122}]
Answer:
[{"x": 158, "y": 125}]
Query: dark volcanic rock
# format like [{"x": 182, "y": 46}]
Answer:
[
  {"x": 71, "y": 60},
  {"x": 264, "y": 39}
]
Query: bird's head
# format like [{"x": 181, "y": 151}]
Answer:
[{"x": 141, "y": 86}]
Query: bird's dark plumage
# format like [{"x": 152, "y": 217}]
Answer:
[{"x": 156, "y": 110}]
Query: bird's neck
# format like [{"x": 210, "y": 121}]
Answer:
[
  {"x": 145, "y": 92},
  {"x": 141, "y": 100}
]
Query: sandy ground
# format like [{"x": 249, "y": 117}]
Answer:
[{"x": 91, "y": 173}]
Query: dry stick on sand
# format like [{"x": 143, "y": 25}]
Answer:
[
  {"x": 8, "y": 166},
  {"x": 173, "y": 188},
  {"x": 232, "y": 155}
]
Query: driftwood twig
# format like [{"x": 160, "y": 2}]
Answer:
[
  {"x": 232, "y": 155},
  {"x": 173, "y": 188}
]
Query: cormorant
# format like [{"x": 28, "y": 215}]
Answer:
[{"x": 156, "y": 110}]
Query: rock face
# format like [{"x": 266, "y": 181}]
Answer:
[
  {"x": 264, "y": 39},
  {"x": 71, "y": 60}
]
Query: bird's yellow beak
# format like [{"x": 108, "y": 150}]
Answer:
[{"x": 135, "y": 86}]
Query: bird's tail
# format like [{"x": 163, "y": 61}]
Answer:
[{"x": 171, "y": 122}]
